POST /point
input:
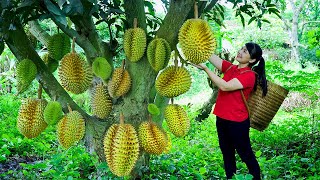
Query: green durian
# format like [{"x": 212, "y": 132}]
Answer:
[
  {"x": 26, "y": 72},
  {"x": 53, "y": 112},
  {"x": 158, "y": 53},
  {"x": 58, "y": 46}
]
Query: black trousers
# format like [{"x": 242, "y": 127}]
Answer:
[{"x": 235, "y": 136}]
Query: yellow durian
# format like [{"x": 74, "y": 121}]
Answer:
[
  {"x": 120, "y": 83},
  {"x": 177, "y": 120},
  {"x": 197, "y": 40},
  {"x": 121, "y": 148},
  {"x": 70, "y": 129},
  {"x": 173, "y": 81},
  {"x": 101, "y": 103},
  {"x": 30, "y": 121},
  {"x": 152, "y": 138}
]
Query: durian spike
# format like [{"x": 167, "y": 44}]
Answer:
[
  {"x": 73, "y": 44},
  {"x": 69, "y": 108},
  {"x": 195, "y": 10},
  {"x": 121, "y": 118},
  {"x": 135, "y": 23},
  {"x": 39, "y": 91}
]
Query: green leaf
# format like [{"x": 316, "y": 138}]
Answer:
[
  {"x": 258, "y": 153},
  {"x": 202, "y": 170},
  {"x": 53, "y": 8},
  {"x": 252, "y": 19}
]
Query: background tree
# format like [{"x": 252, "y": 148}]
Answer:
[{"x": 78, "y": 19}]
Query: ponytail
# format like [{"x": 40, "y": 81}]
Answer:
[
  {"x": 261, "y": 79},
  {"x": 255, "y": 52}
]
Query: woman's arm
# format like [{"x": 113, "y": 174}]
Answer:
[
  {"x": 233, "y": 84},
  {"x": 216, "y": 61}
]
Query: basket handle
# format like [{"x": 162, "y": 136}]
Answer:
[{"x": 245, "y": 102}]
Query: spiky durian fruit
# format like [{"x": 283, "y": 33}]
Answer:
[
  {"x": 26, "y": 73},
  {"x": 177, "y": 120},
  {"x": 1, "y": 46},
  {"x": 120, "y": 83},
  {"x": 134, "y": 43},
  {"x": 121, "y": 148},
  {"x": 197, "y": 40},
  {"x": 58, "y": 46},
  {"x": 173, "y": 81},
  {"x": 101, "y": 68},
  {"x": 158, "y": 53},
  {"x": 70, "y": 129},
  {"x": 51, "y": 63},
  {"x": 30, "y": 121},
  {"x": 74, "y": 73},
  {"x": 53, "y": 113},
  {"x": 152, "y": 138},
  {"x": 101, "y": 102}
]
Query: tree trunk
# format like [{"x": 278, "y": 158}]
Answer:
[{"x": 206, "y": 109}]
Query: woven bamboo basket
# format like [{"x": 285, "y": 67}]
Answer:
[{"x": 263, "y": 109}]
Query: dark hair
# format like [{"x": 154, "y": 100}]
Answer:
[{"x": 255, "y": 52}]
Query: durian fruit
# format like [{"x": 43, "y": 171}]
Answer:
[
  {"x": 58, "y": 46},
  {"x": 177, "y": 120},
  {"x": 26, "y": 72},
  {"x": 51, "y": 63},
  {"x": 120, "y": 82},
  {"x": 101, "y": 68},
  {"x": 197, "y": 40},
  {"x": 134, "y": 43},
  {"x": 158, "y": 53},
  {"x": 101, "y": 103},
  {"x": 152, "y": 138},
  {"x": 30, "y": 121},
  {"x": 70, "y": 129},
  {"x": 173, "y": 81},
  {"x": 153, "y": 109},
  {"x": 1, "y": 46},
  {"x": 121, "y": 148},
  {"x": 53, "y": 113},
  {"x": 74, "y": 73}
]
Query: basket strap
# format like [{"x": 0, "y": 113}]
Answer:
[{"x": 245, "y": 102}]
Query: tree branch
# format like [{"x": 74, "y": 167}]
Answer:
[{"x": 38, "y": 32}]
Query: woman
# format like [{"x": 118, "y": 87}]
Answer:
[{"x": 232, "y": 115}]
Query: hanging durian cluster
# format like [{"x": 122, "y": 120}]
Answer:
[
  {"x": 74, "y": 73},
  {"x": 120, "y": 82},
  {"x": 101, "y": 102},
  {"x": 58, "y": 46},
  {"x": 134, "y": 43},
  {"x": 30, "y": 121},
  {"x": 25, "y": 73},
  {"x": 177, "y": 120},
  {"x": 173, "y": 81},
  {"x": 70, "y": 129},
  {"x": 121, "y": 148},
  {"x": 158, "y": 53}
]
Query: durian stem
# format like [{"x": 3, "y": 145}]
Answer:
[
  {"x": 39, "y": 91},
  {"x": 123, "y": 64},
  {"x": 121, "y": 118},
  {"x": 171, "y": 100},
  {"x": 135, "y": 23},
  {"x": 196, "y": 10},
  {"x": 176, "y": 58},
  {"x": 73, "y": 44},
  {"x": 150, "y": 118},
  {"x": 69, "y": 108}
]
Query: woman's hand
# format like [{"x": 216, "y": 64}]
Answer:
[{"x": 200, "y": 66}]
